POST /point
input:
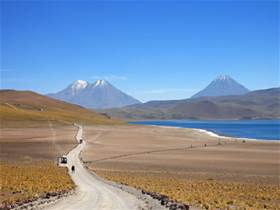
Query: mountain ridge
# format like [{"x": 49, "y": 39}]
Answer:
[
  {"x": 98, "y": 95},
  {"x": 253, "y": 105}
]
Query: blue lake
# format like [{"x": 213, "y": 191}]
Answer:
[{"x": 255, "y": 129}]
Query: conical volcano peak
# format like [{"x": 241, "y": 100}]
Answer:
[{"x": 223, "y": 85}]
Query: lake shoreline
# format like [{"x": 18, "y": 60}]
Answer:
[{"x": 214, "y": 132}]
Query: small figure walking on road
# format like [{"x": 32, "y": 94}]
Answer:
[{"x": 73, "y": 169}]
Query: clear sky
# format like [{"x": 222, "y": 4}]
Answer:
[{"x": 151, "y": 50}]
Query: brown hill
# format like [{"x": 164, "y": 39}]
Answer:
[
  {"x": 26, "y": 108},
  {"x": 254, "y": 105}
]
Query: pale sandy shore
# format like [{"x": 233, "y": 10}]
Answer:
[
  {"x": 182, "y": 151},
  {"x": 210, "y": 133}
]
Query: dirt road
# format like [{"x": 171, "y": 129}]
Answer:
[{"x": 91, "y": 192}]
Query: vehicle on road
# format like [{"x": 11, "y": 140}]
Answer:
[{"x": 62, "y": 160}]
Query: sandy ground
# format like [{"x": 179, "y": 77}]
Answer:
[
  {"x": 24, "y": 144},
  {"x": 181, "y": 152},
  {"x": 92, "y": 193},
  {"x": 172, "y": 152},
  {"x": 34, "y": 144}
]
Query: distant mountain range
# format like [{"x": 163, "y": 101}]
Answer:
[
  {"x": 222, "y": 86},
  {"x": 99, "y": 95},
  {"x": 253, "y": 105},
  {"x": 223, "y": 98}
]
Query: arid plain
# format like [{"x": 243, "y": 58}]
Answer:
[
  {"x": 184, "y": 164},
  {"x": 28, "y": 163},
  {"x": 187, "y": 165},
  {"x": 36, "y": 143}
]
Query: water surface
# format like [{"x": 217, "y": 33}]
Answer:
[{"x": 255, "y": 129}]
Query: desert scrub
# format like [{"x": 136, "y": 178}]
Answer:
[
  {"x": 208, "y": 194},
  {"x": 21, "y": 183}
]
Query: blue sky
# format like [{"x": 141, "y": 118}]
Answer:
[{"x": 151, "y": 50}]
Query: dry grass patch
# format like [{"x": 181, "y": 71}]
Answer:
[
  {"x": 208, "y": 194},
  {"x": 21, "y": 183}
]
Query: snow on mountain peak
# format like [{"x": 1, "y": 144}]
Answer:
[
  {"x": 100, "y": 82},
  {"x": 223, "y": 77},
  {"x": 79, "y": 84}
]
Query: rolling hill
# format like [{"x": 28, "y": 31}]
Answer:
[
  {"x": 26, "y": 108},
  {"x": 253, "y": 105}
]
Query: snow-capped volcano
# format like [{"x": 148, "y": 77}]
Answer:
[
  {"x": 98, "y": 95},
  {"x": 70, "y": 91},
  {"x": 223, "y": 85}
]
